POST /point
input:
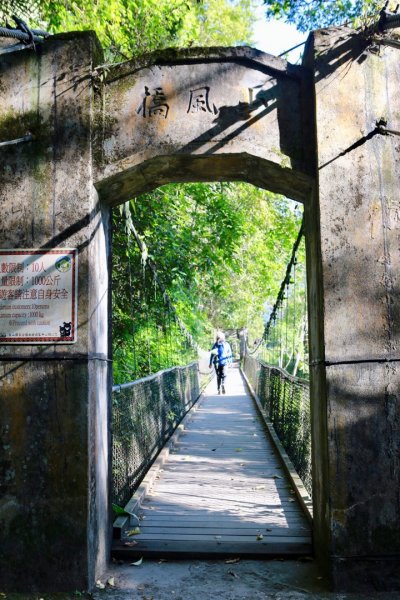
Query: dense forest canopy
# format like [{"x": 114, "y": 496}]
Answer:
[
  {"x": 128, "y": 28},
  {"x": 220, "y": 252}
]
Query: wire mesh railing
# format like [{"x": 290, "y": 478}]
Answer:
[
  {"x": 286, "y": 401},
  {"x": 144, "y": 415},
  {"x": 277, "y": 365}
]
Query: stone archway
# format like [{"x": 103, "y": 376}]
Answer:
[{"x": 79, "y": 139}]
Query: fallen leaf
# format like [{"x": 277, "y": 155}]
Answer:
[
  {"x": 133, "y": 531},
  {"x": 292, "y": 500},
  {"x": 137, "y": 563},
  {"x": 238, "y": 449},
  {"x": 100, "y": 585},
  {"x": 133, "y": 543},
  {"x": 259, "y": 537},
  {"x": 217, "y": 537},
  {"x": 276, "y": 477},
  {"x": 268, "y": 529},
  {"x": 111, "y": 581},
  {"x": 260, "y": 487},
  {"x": 232, "y": 561},
  {"x": 123, "y": 511}
]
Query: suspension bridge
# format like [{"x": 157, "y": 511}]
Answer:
[{"x": 224, "y": 481}]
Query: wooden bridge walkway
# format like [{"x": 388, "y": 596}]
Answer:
[{"x": 221, "y": 490}]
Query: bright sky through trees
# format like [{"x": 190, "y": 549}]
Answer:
[{"x": 274, "y": 37}]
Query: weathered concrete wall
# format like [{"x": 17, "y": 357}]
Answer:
[
  {"x": 204, "y": 114},
  {"x": 54, "y": 398},
  {"x": 356, "y": 352}
]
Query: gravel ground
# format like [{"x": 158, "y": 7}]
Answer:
[
  {"x": 211, "y": 580},
  {"x": 219, "y": 580}
]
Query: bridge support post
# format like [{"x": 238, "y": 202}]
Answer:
[
  {"x": 355, "y": 352},
  {"x": 53, "y": 409}
]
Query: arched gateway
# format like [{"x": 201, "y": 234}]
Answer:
[{"x": 77, "y": 138}]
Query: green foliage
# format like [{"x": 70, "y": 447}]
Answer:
[
  {"x": 221, "y": 252},
  {"x": 286, "y": 344},
  {"x": 218, "y": 23},
  {"x": 147, "y": 336},
  {"x": 128, "y": 28},
  {"x": 314, "y": 14}
]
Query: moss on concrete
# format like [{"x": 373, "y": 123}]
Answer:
[{"x": 16, "y": 125}]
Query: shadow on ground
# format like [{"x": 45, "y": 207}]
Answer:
[
  {"x": 221, "y": 580},
  {"x": 211, "y": 580}
]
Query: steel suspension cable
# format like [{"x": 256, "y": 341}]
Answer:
[{"x": 281, "y": 293}]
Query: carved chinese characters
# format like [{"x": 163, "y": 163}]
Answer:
[
  {"x": 155, "y": 103},
  {"x": 199, "y": 101}
]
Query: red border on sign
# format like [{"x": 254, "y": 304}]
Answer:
[{"x": 33, "y": 340}]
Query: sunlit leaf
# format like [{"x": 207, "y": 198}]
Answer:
[{"x": 232, "y": 561}]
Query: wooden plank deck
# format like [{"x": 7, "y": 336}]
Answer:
[{"x": 222, "y": 489}]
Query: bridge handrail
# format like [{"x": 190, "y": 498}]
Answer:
[
  {"x": 123, "y": 386},
  {"x": 286, "y": 401},
  {"x": 145, "y": 413},
  {"x": 292, "y": 378}
]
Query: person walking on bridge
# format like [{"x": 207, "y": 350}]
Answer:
[{"x": 221, "y": 357}]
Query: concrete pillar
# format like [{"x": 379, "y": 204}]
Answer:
[
  {"x": 54, "y": 464},
  {"x": 355, "y": 346}
]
